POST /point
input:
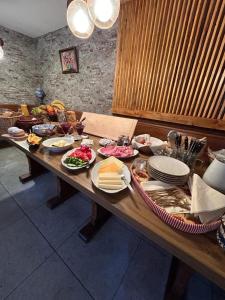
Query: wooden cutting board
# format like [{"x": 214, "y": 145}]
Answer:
[{"x": 108, "y": 126}]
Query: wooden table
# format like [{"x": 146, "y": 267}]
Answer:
[{"x": 200, "y": 252}]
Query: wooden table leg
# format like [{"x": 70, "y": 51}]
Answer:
[
  {"x": 64, "y": 192},
  {"x": 35, "y": 169},
  {"x": 97, "y": 220},
  {"x": 178, "y": 279}
]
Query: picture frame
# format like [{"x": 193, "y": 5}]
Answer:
[{"x": 69, "y": 60}]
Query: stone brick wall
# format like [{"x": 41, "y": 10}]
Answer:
[
  {"x": 92, "y": 88},
  {"x": 18, "y": 73},
  {"x": 29, "y": 63}
]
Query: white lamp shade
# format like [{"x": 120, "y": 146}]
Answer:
[
  {"x": 1, "y": 53},
  {"x": 104, "y": 13},
  {"x": 79, "y": 20}
]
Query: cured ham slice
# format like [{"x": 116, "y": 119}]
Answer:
[{"x": 117, "y": 151}]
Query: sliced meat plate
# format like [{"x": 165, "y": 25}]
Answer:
[{"x": 118, "y": 151}]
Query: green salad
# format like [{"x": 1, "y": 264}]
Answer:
[{"x": 75, "y": 162}]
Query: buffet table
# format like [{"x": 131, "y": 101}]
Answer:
[{"x": 200, "y": 253}]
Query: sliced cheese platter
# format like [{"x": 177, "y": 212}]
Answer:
[{"x": 111, "y": 175}]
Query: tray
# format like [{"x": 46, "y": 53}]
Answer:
[{"x": 169, "y": 219}]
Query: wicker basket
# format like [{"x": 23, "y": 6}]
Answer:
[
  {"x": 169, "y": 219},
  {"x": 6, "y": 122}
]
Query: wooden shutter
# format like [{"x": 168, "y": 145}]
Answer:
[{"x": 170, "y": 61}]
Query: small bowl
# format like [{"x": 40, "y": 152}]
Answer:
[
  {"x": 26, "y": 123},
  {"x": 154, "y": 144},
  {"x": 44, "y": 130}
]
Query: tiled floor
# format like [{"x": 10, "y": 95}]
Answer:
[{"x": 42, "y": 257}]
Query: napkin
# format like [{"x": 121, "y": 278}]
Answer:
[{"x": 206, "y": 202}]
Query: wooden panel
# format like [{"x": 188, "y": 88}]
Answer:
[
  {"x": 108, "y": 126},
  {"x": 170, "y": 61}
]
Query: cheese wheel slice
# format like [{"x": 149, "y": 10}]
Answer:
[
  {"x": 110, "y": 168},
  {"x": 111, "y": 160},
  {"x": 109, "y": 176},
  {"x": 110, "y": 182},
  {"x": 110, "y": 187}
]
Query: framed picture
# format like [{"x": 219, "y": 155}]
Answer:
[{"x": 69, "y": 62}]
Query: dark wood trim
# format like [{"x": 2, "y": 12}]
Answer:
[
  {"x": 35, "y": 170},
  {"x": 64, "y": 192},
  {"x": 98, "y": 218},
  {"x": 178, "y": 279}
]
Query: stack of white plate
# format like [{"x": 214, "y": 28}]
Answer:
[{"x": 168, "y": 170}]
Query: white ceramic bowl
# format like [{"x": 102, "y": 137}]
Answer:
[
  {"x": 155, "y": 143},
  {"x": 49, "y": 144}
]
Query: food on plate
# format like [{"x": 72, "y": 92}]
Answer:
[
  {"x": 75, "y": 162},
  {"x": 60, "y": 143},
  {"x": 143, "y": 139},
  {"x": 16, "y": 132},
  {"x": 33, "y": 139},
  {"x": 110, "y": 174},
  {"x": 79, "y": 157},
  {"x": 106, "y": 142},
  {"x": 87, "y": 142},
  {"x": 117, "y": 151}
]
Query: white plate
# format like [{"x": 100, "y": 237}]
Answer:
[
  {"x": 48, "y": 144},
  {"x": 136, "y": 152},
  {"x": 94, "y": 177},
  {"x": 169, "y": 165},
  {"x": 76, "y": 168}
]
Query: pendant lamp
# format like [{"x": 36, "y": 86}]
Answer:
[
  {"x": 1, "y": 49},
  {"x": 78, "y": 19},
  {"x": 104, "y": 13}
]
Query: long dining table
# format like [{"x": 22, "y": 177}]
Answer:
[{"x": 190, "y": 252}]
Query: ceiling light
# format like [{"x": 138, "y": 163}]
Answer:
[
  {"x": 1, "y": 49},
  {"x": 78, "y": 19},
  {"x": 104, "y": 13}
]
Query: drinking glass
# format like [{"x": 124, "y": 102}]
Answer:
[{"x": 80, "y": 128}]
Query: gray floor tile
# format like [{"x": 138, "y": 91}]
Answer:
[
  {"x": 198, "y": 288},
  {"x": 22, "y": 249},
  {"x": 146, "y": 276},
  {"x": 7, "y": 154},
  {"x": 217, "y": 293},
  {"x": 59, "y": 223},
  {"x": 10, "y": 157},
  {"x": 102, "y": 263},
  {"x": 141, "y": 236},
  {"x": 9, "y": 210},
  {"x": 32, "y": 194},
  {"x": 52, "y": 281}
]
